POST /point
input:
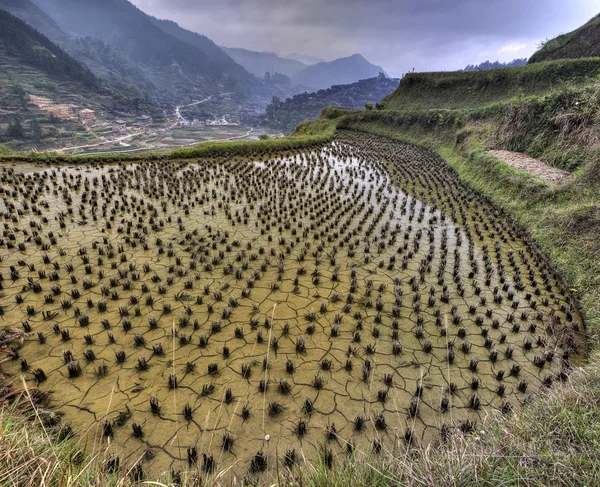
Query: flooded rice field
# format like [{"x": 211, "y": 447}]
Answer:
[{"x": 246, "y": 315}]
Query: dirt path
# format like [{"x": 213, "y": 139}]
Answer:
[{"x": 523, "y": 162}]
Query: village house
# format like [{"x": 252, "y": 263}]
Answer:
[{"x": 120, "y": 125}]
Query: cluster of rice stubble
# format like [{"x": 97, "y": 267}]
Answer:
[{"x": 246, "y": 316}]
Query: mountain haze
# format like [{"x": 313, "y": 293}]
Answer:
[
  {"x": 258, "y": 63},
  {"x": 31, "y": 14},
  {"x": 217, "y": 56},
  {"x": 304, "y": 59},
  {"x": 337, "y": 72},
  {"x": 29, "y": 47}
]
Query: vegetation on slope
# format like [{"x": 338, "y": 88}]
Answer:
[
  {"x": 471, "y": 90},
  {"x": 580, "y": 43},
  {"x": 110, "y": 64},
  {"x": 487, "y": 65},
  {"x": 289, "y": 114},
  {"x": 22, "y": 41}
]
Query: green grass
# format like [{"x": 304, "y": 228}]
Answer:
[
  {"x": 581, "y": 42},
  {"x": 472, "y": 90}
]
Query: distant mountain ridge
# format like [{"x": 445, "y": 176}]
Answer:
[
  {"x": 337, "y": 72},
  {"x": 216, "y": 54},
  {"x": 304, "y": 59},
  {"x": 258, "y": 63},
  {"x": 321, "y": 75},
  {"x": 144, "y": 56}
]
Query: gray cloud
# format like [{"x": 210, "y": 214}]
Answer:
[{"x": 397, "y": 34}]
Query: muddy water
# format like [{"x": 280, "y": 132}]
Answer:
[{"x": 227, "y": 314}]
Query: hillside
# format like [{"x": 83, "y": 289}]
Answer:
[
  {"x": 176, "y": 68},
  {"x": 33, "y": 65},
  {"x": 218, "y": 58},
  {"x": 109, "y": 63},
  {"x": 288, "y": 115},
  {"x": 30, "y": 13},
  {"x": 581, "y": 43},
  {"x": 104, "y": 60},
  {"x": 258, "y": 63},
  {"x": 20, "y": 41},
  {"x": 459, "y": 89},
  {"x": 340, "y": 71}
]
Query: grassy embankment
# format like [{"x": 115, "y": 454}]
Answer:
[
  {"x": 553, "y": 441},
  {"x": 582, "y": 42}
]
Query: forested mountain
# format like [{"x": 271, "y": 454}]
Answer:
[
  {"x": 259, "y": 63},
  {"x": 337, "y": 72},
  {"x": 176, "y": 68},
  {"x": 108, "y": 62},
  {"x": 487, "y": 65},
  {"x": 219, "y": 58},
  {"x": 43, "y": 89},
  {"x": 30, "y": 13},
  {"x": 22, "y": 42},
  {"x": 104, "y": 60},
  {"x": 287, "y": 115}
]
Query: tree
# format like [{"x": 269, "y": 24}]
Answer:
[
  {"x": 281, "y": 79},
  {"x": 379, "y": 106},
  {"x": 381, "y": 75},
  {"x": 36, "y": 130},
  {"x": 15, "y": 130},
  {"x": 369, "y": 106},
  {"x": 267, "y": 76}
]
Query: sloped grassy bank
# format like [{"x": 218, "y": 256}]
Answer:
[{"x": 551, "y": 442}]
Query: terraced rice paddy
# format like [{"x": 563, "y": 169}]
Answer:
[{"x": 249, "y": 314}]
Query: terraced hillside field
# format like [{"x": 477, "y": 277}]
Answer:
[{"x": 244, "y": 315}]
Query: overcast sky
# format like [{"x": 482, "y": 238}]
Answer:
[{"x": 428, "y": 35}]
